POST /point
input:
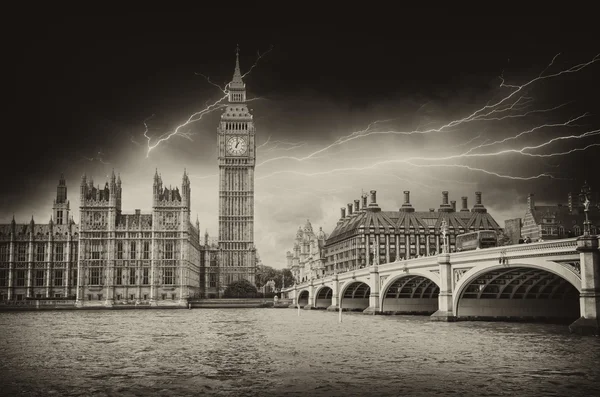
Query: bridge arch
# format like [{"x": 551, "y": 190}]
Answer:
[
  {"x": 323, "y": 297},
  {"x": 303, "y": 297},
  {"x": 354, "y": 295},
  {"x": 527, "y": 290},
  {"x": 411, "y": 293}
]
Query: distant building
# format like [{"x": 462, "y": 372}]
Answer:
[
  {"x": 546, "y": 222},
  {"x": 211, "y": 285},
  {"x": 367, "y": 234},
  {"x": 512, "y": 228},
  {"x": 308, "y": 258},
  {"x": 109, "y": 258}
]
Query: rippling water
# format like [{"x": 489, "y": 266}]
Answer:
[{"x": 275, "y": 352}]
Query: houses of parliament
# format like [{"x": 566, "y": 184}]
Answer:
[{"x": 157, "y": 258}]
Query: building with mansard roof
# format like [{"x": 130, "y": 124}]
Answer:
[
  {"x": 110, "y": 257},
  {"x": 308, "y": 257},
  {"x": 365, "y": 234},
  {"x": 547, "y": 222}
]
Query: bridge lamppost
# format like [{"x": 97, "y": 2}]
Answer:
[
  {"x": 585, "y": 198},
  {"x": 444, "y": 231}
]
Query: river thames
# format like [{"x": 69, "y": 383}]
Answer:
[{"x": 275, "y": 352}]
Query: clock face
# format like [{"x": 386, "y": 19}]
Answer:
[{"x": 236, "y": 145}]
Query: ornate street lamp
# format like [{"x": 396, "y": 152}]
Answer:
[
  {"x": 444, "y": 231},
  {"x": 585, "y": 198}
]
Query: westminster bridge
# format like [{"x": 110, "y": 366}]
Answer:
[{"x": 557, "y": 280}]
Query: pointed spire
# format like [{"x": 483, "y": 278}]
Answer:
[
  {"x": 237, "y": 81},
  {"x": 119, "y": 179},
  {"x": 32, "y": 222}
]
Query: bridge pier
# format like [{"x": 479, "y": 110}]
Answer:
[
  {"x": 374, "y": 293},
  {"x": 311, "y": 296},
  {"x": 589, "y": 298},
  {"x": 445, "y": 311},
  {"x": 294, "y": 297},
  {"x": 334, "y": 295}
]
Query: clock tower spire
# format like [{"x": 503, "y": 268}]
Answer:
[{"x": 237, "y": 158}]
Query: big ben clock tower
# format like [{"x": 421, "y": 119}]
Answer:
[{"x": 237, "y": 157}]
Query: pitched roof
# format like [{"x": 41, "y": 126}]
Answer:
[{"x": 389, "y": 221}]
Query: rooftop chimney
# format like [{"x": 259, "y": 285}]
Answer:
[
  {"x": 478, "y": 207},
  {"x": 373, "y": 206},
  {"x": 407, "y": 207},
  {"x": 453, "y": 203},
  {"x": 465, "y": 207},
  {"x": 349, "y": 209},
  {"x": 137, "y": 212},
  {"x": 432, "y": 210},
  {"x": 445, "y": 207},
  {"x": 343, "y": 212},
  {"x": 356, "y": 206},
  {"x": 373, "y": 196},
  {"x": 531, "y": 201},
  {"x": 364, "y": 201}
]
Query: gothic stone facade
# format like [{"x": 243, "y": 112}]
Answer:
[
  {"x": 308, "y": 257},
  {"x": 237, "y": 158},
  {"x": 365, "y": 234},
  {"x": 110, "y": 258},
  {"x": 40, "y": 260}
]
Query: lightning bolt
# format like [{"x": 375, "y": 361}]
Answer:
[
  {"x": 197, "y": 116},
  {"x": 481, "y": 114}
]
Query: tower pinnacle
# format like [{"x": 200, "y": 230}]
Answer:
[{"x": 237, "y": 83}]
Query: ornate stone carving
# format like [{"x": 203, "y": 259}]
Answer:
[
  {"x": 458, "y": 273},
  {"x": 382, "y": 280},
  {"x": 574, "y": 266}
]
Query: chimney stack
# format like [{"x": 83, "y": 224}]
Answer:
[
  {"x": 531, "y": 202},
  {"x": 356, "y": 206},
  {"x": 343, "y": 212},
  {"x": 373, "y": 206},
  {"x": 364, "y": 201},
  {"x": 373, "y": 196},
  {"x": 465, "y": 207},
  {"x": 453, "y": 203},
  {"x": 478, "y": 207},
  {"x": 407, "y": 207},
  {"x": 432, "y": 210},
  {"x": 445, "y": 207},
  {"x": 349, "y": 209}
]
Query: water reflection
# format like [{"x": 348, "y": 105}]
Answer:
[{"x": 257, "y": 352}]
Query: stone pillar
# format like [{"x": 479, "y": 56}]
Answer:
[
  {"x": 387, "y": 248},
  {"x": 48, "y": 268},
  {"x": 589, "y": 298},
  {"x": 374, "y": 295},
  {"x": 11, "y": 266},
  {"x": 30, "y": 266},
  {"x": 397, "y": 247},
  {"x": 294, "y": 297},
  {"x": 80, "y": 276},
  {"x": 67, "y": 267},
  {"x": 334, "y": 295},
  {"x": 311, "y": 296},
  {"x": 367, "y": 250},
  {"x": 445, "y": 311}
]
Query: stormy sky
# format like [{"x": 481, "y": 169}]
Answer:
[{"x": 339, "y": 107}]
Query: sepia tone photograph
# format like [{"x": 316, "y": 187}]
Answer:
[{"x": 231, "y": 202}]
